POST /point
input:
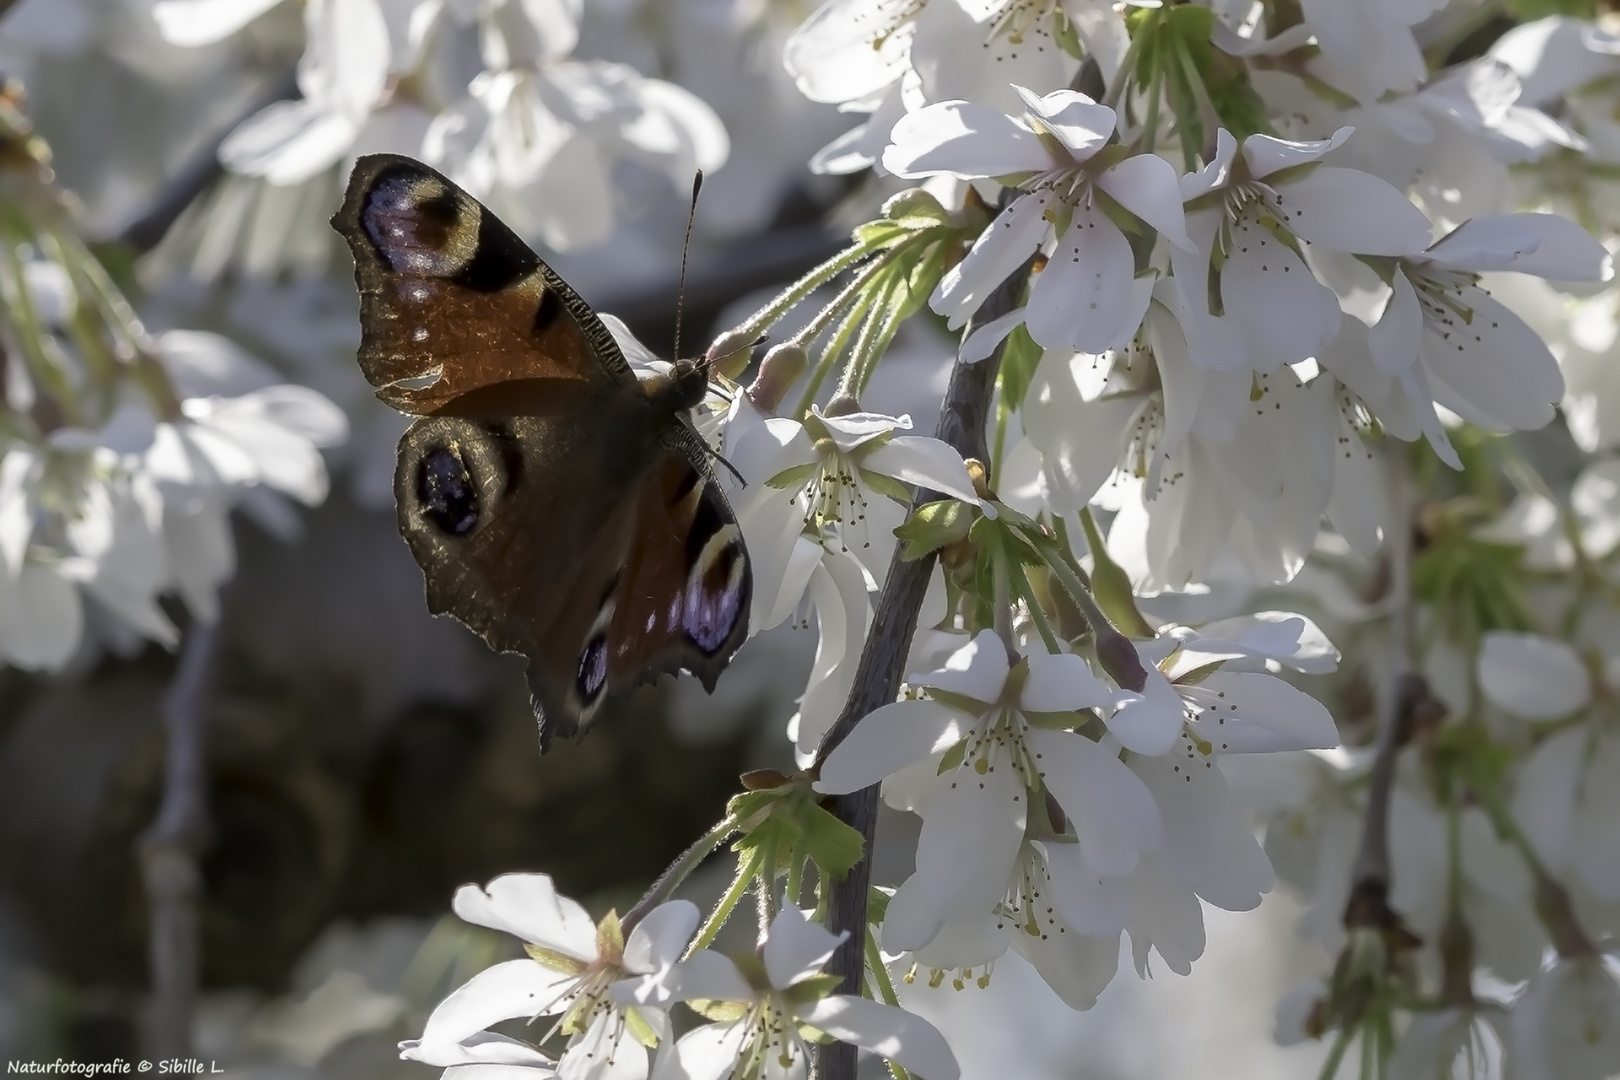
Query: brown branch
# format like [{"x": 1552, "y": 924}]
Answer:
[
  {"x": 1410, "y": 703},
  {"x": 169, "y": 850},
  {"x": 962, "y": 422}
]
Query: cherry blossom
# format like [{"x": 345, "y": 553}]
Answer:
[
  {"x": 1088, "y": 297},
  {"x": 571, "y": 968},
  {"x": 761, "y": 1003}
]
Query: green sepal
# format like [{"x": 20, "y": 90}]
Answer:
[
  {"x": 796, "y": 476},
  {"x": 877, "y": 904},
  {"x": 1065, "y": 35},
  {"x": 811, "y": 989},
  {"x": 1020, "y": 357},
  {"x": 639, "y": 1029},
  {"x": 1111, "y": 585},
  {"x": 610, "y": 938},
  {"x": 1058, "y": 721},
  {"x": 834, "y": 846},
  {"x": 791, "y": 819},
  {"x": 953, "y": 758},
  {"x": 933, "y": 525},
  {"x": 721, "y": 1012},
  {"x": 553, "y": 960},
  {"x": 877, "y": 234},
  {"x": 914, "y": 209},
  {"x": 960, "y": 702},
  {"x": 885, "y": 485}
]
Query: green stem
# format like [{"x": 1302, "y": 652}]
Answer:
[
  {"x": 850, "y": 382},
  {"x": 885, "y": 989},
  {"x": 1330, "y": 1066},
  {"x": 795, "y": 879},
  {"x": 829, "y": 357},
  {"x": 678, "y": 872},
  {"x": 746, "y": 872},
  {"x": 1026, "y": 592},
  {"x": 30, "y": 329},
  {"x": 809, "y": 283}
]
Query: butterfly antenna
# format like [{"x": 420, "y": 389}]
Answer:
[{"x": 686, "y": 246}]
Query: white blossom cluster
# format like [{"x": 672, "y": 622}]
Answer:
[
  {"x": 122, "y": 453},
  {"x": 1287, "y": 280},
  {"x": 528, "y": 129}
]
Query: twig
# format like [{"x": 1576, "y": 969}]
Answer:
[
  {"x": 169, "y": 849},
  {"x": 962, "y": 421},
  {"x": 1410, "y": 700},
  {"x": 193, "y": 178}
]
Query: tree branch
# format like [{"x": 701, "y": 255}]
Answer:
[
  {"x": 169, "y": 849},
  {"x": 963, "y": 418},
  {"x": 1410, "y": 702}
]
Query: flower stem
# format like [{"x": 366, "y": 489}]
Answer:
[
  {"x": 801, "y": 288},
  {"x": 885, "y": 989},
  {"x": 678, "y": 871},
  {"x": 746, "y": 872}
]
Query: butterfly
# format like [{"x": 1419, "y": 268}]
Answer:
[{"x": 559, "y": 505}]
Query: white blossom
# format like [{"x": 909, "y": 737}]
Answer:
[
  {"x": 572, "y": 966},
  {"x": 760, "y": 1006}
]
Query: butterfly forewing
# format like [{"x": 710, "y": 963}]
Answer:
[
  {"x": 558, "y": 507},
  {"x": 451, "y": 301}
]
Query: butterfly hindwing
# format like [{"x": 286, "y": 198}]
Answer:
[
  {"x": 604, "y": 579},
  {"x": 447, "y": 290}
]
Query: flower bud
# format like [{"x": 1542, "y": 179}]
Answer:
[
  {"x": 780, "y": 369},
  {"x": 731, "y": 352}
]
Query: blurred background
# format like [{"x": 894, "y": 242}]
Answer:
[{"x": 360, "y": 759}]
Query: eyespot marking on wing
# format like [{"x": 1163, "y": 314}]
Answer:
[
  {"x": 593, "y": 663},
  {"x": 418, "y": 225},
  {"x": 713, "y": 593},
  {"x": 446, "y": 492}
]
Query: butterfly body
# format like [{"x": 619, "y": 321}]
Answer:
[{"x": 559, "y": 505}]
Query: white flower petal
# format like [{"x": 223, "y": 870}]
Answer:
[
  {"x": 885, "y": 1030},
  {"x": 190, "y": 23},
  {"x": 850, "y": 49},
  {"x": 1147, "y": 186},
  {"x": 659, "y": 938},
  {"x": 986, "y": 336},
  {"x": 603, "y": 1051},
  {"x": 1078, "y": 967},
  {"x": 970, "y": 836},
  {"x": 1115, "y": 818},
  {"x": 888, "y": 739},
  {"x": 41, "y": 618},
  {"x": 529, "y": 907},
  {"x": 1349, "y": 210},
  {"x": 999, "y": 250},
  {"x": 516, "y": 988},
  {"x": 1149, "y": 722},
  {"x": 1059, "y": 682},
  {"x": 288, "y": 142},
  {"x": 977, "y": 670},
  {"x": 796, "y": 948},
  {"x": 479, "y": 1048},
  {"x": 1253, "y": 713},
  {"x": 1081, "y": 125},
  {"x": 1532, "y": 676},
  {"x": 962, "y": 139},
  {"x": 709, "y": 1052},
  {"x": 705, "y": 974},
  {"x": 1078, "y": 300},
  {"x": 1546, "y": 245},
  {"x": 931, "y": 464},
  {"x": 1266, "y": 154}
]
